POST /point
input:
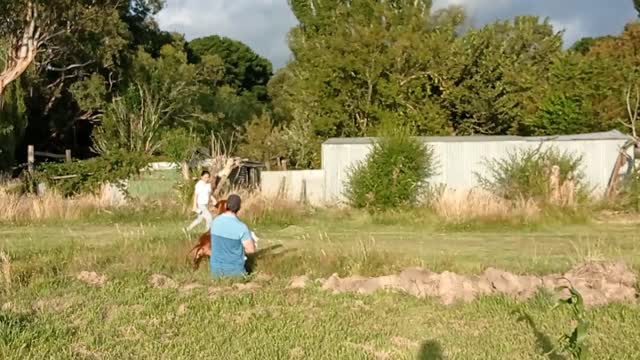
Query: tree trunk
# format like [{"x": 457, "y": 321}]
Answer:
[
  {"x": 14, "y": 69},
  {"x": 184, "y": 166},
  {"x": 224, "y": 174},
  {"x": 22, "y": 54}
]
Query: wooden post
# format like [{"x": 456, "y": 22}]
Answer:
[
  {"x": 31, "y": 159},
  {"x": 67, "y": 155}
]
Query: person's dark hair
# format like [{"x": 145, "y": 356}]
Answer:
[
  {"x": 204, "y": 172},
  {"x": 233, "y": 203}
]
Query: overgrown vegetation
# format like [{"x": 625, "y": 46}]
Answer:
[
  {"x": 408, "y": 64},
  {"x": 629, "y": 196},
  {"x": 394, "y": 175},
  {"x": 87, "y": 176},
  {"x": 529, "y": 174}
]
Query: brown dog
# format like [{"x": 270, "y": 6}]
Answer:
[{"x": 203, "y": 247}]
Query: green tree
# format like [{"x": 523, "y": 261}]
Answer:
[
  {"x": 575, "y": 98},
  {"x": 500, "y": 79},
  {"x": 244, "y": 69},
  {"x": 134, "y": 123},
  {"x": 70, "y": 54},
  {"x": 358, "y": 64},
  {"x": 12, "y": 122},
  {"x": 59, "y": 35},
  {"x": 263, "y": 141}
]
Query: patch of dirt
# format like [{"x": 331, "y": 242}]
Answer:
[
  {"x": 214, "y": 291},
  {"x": 262, "y": 277},
  {"x": 182, "y": 309},
  {"x": 298, "y": 282},
  {"x": 162, "y": 282},
  {"x": 188, "y": 288},
  {"x": 92, "y": 278},
  {"x": 52, "y": 305},
  {"x": 598, "y": 282},
  {"x": 403, "y": 342},
  {"x": 250, "y": 286},
  {"x": 296, "y": 353}
]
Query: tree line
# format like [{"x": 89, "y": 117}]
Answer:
[{"x": 103, "y": 76}]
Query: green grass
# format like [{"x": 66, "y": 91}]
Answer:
[
  {"x": 47, "y": 313},
  {"x": 154, "y": 184}
]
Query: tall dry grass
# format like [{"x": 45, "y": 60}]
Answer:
[
  {"x": 258, "y": 207},
  {"x": 26, "y": 208},
  {"x": 477, "y": 204}
]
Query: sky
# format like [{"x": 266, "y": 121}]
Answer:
[{"x": 264, "y": 24}]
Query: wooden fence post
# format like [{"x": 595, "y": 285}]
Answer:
[
  {"x": 30, "y": 158},
  {"x": 67, "y": 155}
]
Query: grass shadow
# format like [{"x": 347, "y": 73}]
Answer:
[
  {"x": 264, "y": 254},
  {"x": 431, "y": 350},
  {"x": 544, "y": 342}
]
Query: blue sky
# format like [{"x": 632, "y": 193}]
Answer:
[{"x": 263, "y": 24}]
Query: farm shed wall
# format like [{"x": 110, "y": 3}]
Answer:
[
  {"x": 290, "y": 185},
  {"x": 460, "y": 158}
]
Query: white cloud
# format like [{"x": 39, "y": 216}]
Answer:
[
  {"x": 261, "y": 24},
  {"x": 264, "y": 24}
]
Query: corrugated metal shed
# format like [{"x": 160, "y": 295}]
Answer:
[{"x": 461, "y": 157}]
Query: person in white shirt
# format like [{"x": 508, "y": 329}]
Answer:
[{"x": 201, "y": 197}]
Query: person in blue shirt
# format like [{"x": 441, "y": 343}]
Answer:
[{"x": 231, "y": 241}]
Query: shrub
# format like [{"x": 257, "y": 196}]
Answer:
[
  {"x": 524, "y": 174},
  {"x": 395, "y": 174},
  {"x": 89, "y": 174},
  {"x": 629, "y": 197}
]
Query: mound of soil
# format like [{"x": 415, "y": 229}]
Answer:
[
  {"x": 162, "y": 282},
  {"x": 599, "y": 283},
  {"x": 92, "y": 278}
]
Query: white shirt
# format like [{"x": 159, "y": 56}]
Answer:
[{"x": 203, "y": 192}]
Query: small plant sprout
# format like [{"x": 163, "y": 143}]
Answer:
[{"x": 575, "y": 343}]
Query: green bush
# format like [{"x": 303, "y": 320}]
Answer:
[
  {"x": 394, "y": 175},
  {"x": 629, "y": 197},
  {"x": 90, "y": 174},
  {"x": 524, "y": 174}
]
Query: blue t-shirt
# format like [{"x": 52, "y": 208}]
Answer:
[{"x": 227, "y": 252}]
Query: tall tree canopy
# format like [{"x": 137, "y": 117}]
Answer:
[{"x": 243, "y": 68}]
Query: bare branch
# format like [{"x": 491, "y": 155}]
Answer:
[{"x": 67, "y": 68}]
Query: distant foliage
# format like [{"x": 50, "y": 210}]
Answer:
[
  {"x": 133, "y": 123},
  {"x": 629, "y": 197},
  {"x": 263, "y": 141},
  {"x": 91, "y": 173},
  {"x": 525, "y": 173},
  {"x": 394, "y": 175},
  {"x": 179, "y": 145}
]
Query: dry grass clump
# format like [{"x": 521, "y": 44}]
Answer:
[
  {"x": 25, "y": 208},
  {"x": 477, "y": 204},
  {"x": 258, "y": 207}
]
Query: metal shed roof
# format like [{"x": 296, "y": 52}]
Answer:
[{"x": 607, "y": 135}]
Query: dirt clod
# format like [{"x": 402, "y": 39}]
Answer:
[
  {"x": 599, "y": 283},
  {"x": 188, "y": 288},
  {"x": 162, "y": 282},
  {"x": 298, "y": 282},
  {"x": 92, "y": 278},
  {"x": 247, "y": 287}
]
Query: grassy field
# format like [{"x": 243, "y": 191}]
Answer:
[{"x": 48, "y": 313}]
